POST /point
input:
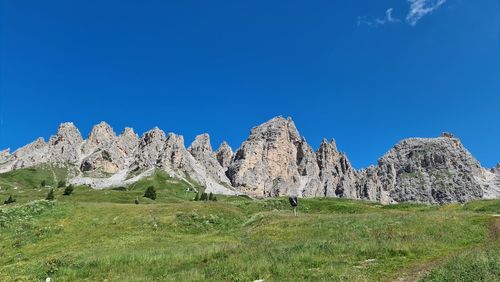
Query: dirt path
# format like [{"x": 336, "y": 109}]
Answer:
[{"x": 416, "y": 273}]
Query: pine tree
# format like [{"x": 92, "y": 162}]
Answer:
[
  {"x": 150, "y": 193},
  {"x": 50, "y": 195},
  {"x": 214, "y": 198},
  {"x": 210, "y": 196},
  {"x": 204, "y": 197},
  {"x": 68, "y": 190},
  {"x": 197, "y": 197},
  {"x": 10, "y": 200}
]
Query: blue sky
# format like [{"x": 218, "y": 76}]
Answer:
[{"x": 367, "y": 73}]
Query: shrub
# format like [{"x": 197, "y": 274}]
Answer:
[
  {"x": 43, "y": 183},
  {"x": 10, "y": 200},
  {"x": 136, "y": 201},
  {"x": 150, "y": 193},
  {"x": 214, "y": 198},
  {"x": 61, "y": 184},
  {"x": 68, "y": 190},
  {"x": 50, "y": 195},
  {"x": 197, "y": 197}
]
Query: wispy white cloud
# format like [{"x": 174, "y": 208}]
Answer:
[
  {"x": 389, "y": 18},
  {"x": 420, "y": 8},
  {"x": 417, "y": 10}
]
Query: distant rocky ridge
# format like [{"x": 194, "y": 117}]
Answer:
[{"x": 275, "y": 160}]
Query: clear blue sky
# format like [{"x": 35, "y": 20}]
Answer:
[{"x": 362, "y": 72}]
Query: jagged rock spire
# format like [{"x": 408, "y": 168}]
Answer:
[
  {"x": 266, "y": 163},
  {"x": 201, "y": 149},
  {"x": 66, "y": 144},
  {"x": 150, "y": 149},
  {"x": 224, "y": 155},
  {"x": 274, "y": 161}
]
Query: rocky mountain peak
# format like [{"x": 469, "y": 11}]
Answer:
[
  {"x": 4, "y": 153},
  {"x": 101, "y": 136},
  {"x": 149, "y": 150},
  {"x": 201, "y": 145},
  {"x": 129, "y": 132},
  {"x": 447, "y": 135},
  {"x": 431, "y": 170},
  {"x": 68, "y": 134},
  {"x": 128, "y": 141},
  {"x": 274, "y": 161},
  {"x": 224, "y": 155},
  {"x": 336, "y": 172},
  {"x": 65, "y": 146},
  {"x": 101, "y": 133},
  {"x": 275, "y": 129},
  {"x": 266, "y": 163}
]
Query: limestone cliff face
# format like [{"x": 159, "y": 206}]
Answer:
[
  {"x": 201, "y": 149},
  {"x": 65, "y": 146},
  {"x": 105, "y": 153},
  {"x": 224, "y": 155},
  {"x": 336, "y": 173},
  {"x": 266, "y": 163},
  {"x": 150, "y": 150},
  {"x": 309, "y": 171},
  {"x": 274, "y": 161},
  {"x": 29, "y": 155},
  {"x": 424, "y": 170}
]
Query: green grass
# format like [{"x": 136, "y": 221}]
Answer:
[{"x": 102, "y": 235}]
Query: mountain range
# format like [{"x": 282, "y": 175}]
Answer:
[{"x": 275, "y": 160}]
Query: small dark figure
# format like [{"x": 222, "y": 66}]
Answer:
[
  {"x": 136, "y": 200},
  {"x": 43, "y": 183},
  {"x": 294, "y": 202}
]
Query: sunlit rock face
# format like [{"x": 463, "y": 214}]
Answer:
[
  {"x": 424, "y": 170},
  {"x": 275, "y": 160}
]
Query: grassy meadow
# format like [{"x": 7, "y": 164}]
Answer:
[{"x": 102, "y": 235}]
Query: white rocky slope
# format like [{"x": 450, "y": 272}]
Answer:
[{"x": 274, "y": 161}]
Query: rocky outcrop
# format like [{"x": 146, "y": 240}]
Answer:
[
  {"x": 336, "y": 173},
  {"x": 101, "y": 136},
  {"x": 4, "y": 153},
  {"x": 266, "y": 163},
  {"x": 496, "y": 169},
  {"x": 27, "y": 156},
  {"x": 224, "y": 155},
  {"x": 274, "y": 161},
  {"x": 309, "y": 171},
  {"x": 201, "y": 150},
  {"x": 65, "y": 146},
  {"x": 128, "y": 141},
  {"x": 424, "y": 170},
  {"x": 150, "y": 150},
  {"x": 105, "y": 153}
]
